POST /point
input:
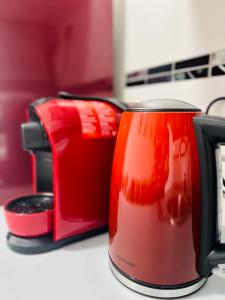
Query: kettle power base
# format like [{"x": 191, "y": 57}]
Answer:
[
  {"x": 157, "y": 291},
  {"x": 46, "y": 243}
]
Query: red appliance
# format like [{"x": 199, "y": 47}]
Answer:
[
  {"x": 164, "y": 228},
  {"x": 72, "y": 142}
]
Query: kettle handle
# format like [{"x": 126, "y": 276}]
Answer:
[{"x": 210, "y": 131}]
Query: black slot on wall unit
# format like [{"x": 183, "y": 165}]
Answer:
[
  {"x": 200, "y": 73},
  {"x": 138, "y": 82},
  {"x": 160, "y": 69},
  {"x": 194, "y": 62},
  {"x": 212, "y": 64},
  {"x": 159, "y": 79},
  {"x": 218, "y": 70}
]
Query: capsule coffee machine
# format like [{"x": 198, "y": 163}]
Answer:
[{"x": 72, "y": 141}]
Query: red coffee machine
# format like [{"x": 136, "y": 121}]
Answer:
[
  {"x": 165, "y": 216},
  {"x": 72, "y": 142}
]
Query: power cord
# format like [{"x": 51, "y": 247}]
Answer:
[{"x": 213, "y": 102}]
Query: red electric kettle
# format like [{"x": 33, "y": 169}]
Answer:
[{"x": 165, "y": 217}]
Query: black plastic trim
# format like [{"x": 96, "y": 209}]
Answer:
[
  {"x": 210, "y": 131},
  {"x": 46, "y": 243},
  {"x": 34, "y": 137},
  {"x": 155, "y": 286},
  {"x": 68, "y": 96},
  {"x": 133, "y": 109},
  {"x": 40, "y": 101},
  {"x": 212, "y": 103},
  {"x": 44, "y": 171},
  {"x": 113, "y": 101}
]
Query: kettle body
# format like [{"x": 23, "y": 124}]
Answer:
[{"x": 155, "y": 206}]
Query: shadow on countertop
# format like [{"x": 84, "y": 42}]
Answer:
[
  {"x": 214, "y": 287},
  {"x": 93, "y": 242}
]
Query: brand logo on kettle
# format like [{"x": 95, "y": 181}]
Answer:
[{"x": 125, "y": 261}]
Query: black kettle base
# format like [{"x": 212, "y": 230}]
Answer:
[
  {"x": 46, "y": 243},
  {"x": 157, "y": 291}
]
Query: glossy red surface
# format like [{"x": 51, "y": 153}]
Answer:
[
  {"x": 47, "y": 46},
  {"x": 155, "y": 198},
  {"x": 29, "y": 225},
  {"x": 82, "y": 136}
]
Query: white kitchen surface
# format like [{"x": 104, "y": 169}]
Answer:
[{"x": 78, "y": 271}]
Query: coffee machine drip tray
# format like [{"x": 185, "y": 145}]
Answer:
[{"x": 46, "y": 243}]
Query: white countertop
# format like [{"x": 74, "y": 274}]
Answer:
[{"x": 79, "y": 271}]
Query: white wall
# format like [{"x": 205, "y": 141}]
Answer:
[
  {"x": 198, "y": 92},
  {"x": 162, "y": 31}
]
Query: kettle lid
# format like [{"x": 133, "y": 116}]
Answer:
[{"x": 163, "y": 105}]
